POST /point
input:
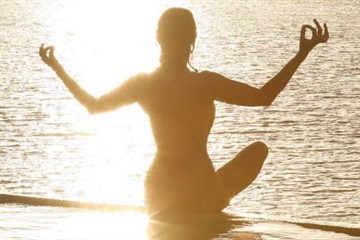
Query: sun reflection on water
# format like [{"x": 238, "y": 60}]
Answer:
[
  {"x": 116, "y": 156},
  {"x": 101, "y": 44},
  {"x": 107, "y": 225}
]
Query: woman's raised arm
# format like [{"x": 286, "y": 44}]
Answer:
[
  {"x": 116, "y": 98},
  {"x": 233, "y": 92},
  {"x": 275, "y": 85}
]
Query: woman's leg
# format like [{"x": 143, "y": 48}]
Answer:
[
  {"x": 236, "y": 175},
  {"x": 241, "y": 171}
]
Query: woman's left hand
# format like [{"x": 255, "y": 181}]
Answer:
[{"x": 319, "y": 35}]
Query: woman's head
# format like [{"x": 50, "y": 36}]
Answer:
[
  {"x": 176, "y": 27},
  {"x": 176, "y": 34}
]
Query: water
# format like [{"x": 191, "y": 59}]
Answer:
[{"x": 50, "y": 146}]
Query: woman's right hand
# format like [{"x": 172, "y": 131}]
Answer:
[{"x": 48, "y": 57}]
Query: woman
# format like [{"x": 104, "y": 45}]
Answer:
[{"x": 180, "y": 104}]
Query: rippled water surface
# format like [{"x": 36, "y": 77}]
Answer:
[{"x": 51, "y": 147}]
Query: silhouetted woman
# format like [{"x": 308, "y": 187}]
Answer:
[{"x": 180, "y": 104}]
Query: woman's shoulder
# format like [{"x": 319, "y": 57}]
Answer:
[
  {"x": 141, "y": 76},
  {"x": 138, "y": 79},
  {"x": 207, "y": 76}
]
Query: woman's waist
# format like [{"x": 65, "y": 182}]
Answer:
[
  {"x": 176, "y": 146},
  {"x": 180, "y": 169},
  {"x": 181, "y": 154},
  {"x": 167, "y": 163}
]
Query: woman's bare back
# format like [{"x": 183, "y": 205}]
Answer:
[
  {"x": 181, "y": 117},
  {"x": 180, "y": 111}
]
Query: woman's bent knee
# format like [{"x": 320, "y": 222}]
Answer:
[{"x": 261, "y": 148}]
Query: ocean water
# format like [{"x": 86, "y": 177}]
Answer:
[{"x": 51, "y": 147}]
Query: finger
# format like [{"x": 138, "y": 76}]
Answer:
[
  {"x": 319, "y": 29},
  {"x": 313, "y": 30},
  {"x": 51, "y": 52},
  {"x": 325, "y": 37},
  {"x": 303, "y": 32},
  {"x": 48, "y": 48},
  {"x": 41, "y": 49},
  {"x": 44, "y": 52}
]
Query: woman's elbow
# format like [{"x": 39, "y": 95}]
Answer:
[
  {"x": 92, "y": 111},
  {"x": 267, "y": 102},
  {"x": 92, "y": 107},
  {"x": 96, "y": 108},
  {"x": 264, "y": 100},
  {"x": 259, "y": 98}
]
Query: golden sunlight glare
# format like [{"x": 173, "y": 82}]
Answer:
[
  {"x": 101, "y": 44},
  {"x": 107, "y": 225},
  {"x": 110, "y": 40}
]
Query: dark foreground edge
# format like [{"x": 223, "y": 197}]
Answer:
[{"x": 36, "y": 201}]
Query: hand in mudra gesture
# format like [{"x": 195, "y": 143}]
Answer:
[
  {"x": 319, "y": 35},
  {"x": 48, "y": 57}
]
